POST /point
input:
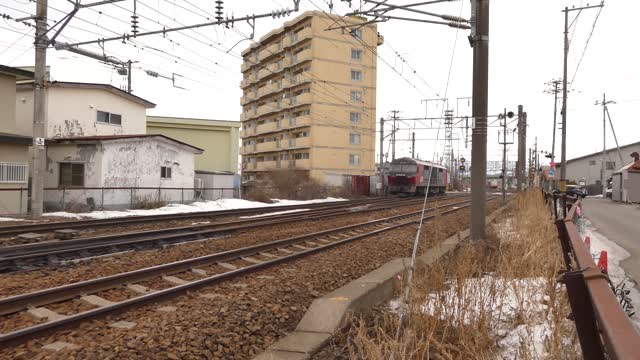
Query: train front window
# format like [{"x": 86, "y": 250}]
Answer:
[{"x": 404, "y": 168}]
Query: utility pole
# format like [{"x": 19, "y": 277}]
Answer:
[
  {"x": 39, "y": 119},
  {"x": 381, "y": 156},
  {"x": 604, "y": 103},
  {"x": 563, "y": 169},
  {"x": 504, "y": 144},
  {"x": 615, "y": 138},
  {"x": 522, "y": 145},
  {"x": 393, "y": 134},
  {"x": 129, "y": 76},
  {"x": 555, "y": 91},
  {"x": 480, "y": 42},
  {"x": 413, "y": 145}
]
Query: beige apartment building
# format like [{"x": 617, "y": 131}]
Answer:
[{"x": 309, "y": 99}]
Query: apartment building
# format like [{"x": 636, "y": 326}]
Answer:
[{"x": 309, "y": 98}]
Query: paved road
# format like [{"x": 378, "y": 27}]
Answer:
[{"x": 621, "y": 224}]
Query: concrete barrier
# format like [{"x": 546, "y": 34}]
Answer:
[{"x": 328, "y": 314}]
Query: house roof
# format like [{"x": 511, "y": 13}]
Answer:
[
  {"x": 109, "y": 88},
  {"x": 191, "y": 121},
  {"x": 15, "y": 139},
  {"x": 20, "y": 74},
  {"x": 599, "y": 153},
  {"x": 98, "y": 138}
]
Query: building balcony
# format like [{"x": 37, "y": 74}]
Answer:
[
  {"x": 253, "y": 77},
  {"x": 248, "y": 115},
  {"x": 297, "y": 121},
  {"x": 302, "y": 56},
  {"x": 263, "y": 54},
  {"x": 263, "y": 73},
  {"x": 249, "y": 166},
  {"x": 246, "y": 65},
  {"x": 300, "y": 164},
  {"x": 300, "y": 142},
  {"x": 294, "y": 80},
  {"x": 267, "y": 146},
  {"x": 303, "y": 98},
  {"x": 266, "y": 165},
  {"x": 266, "y": 127},
  {"x": 244, "y": 83},
  {"x": 269, "y": 108},
  {"x": 247, "y": 149},
  {"x": 274, "y": 67}
]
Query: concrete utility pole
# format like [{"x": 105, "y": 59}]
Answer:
[
  {"x": 563, "y": 160},
  {"x": 604, "y": 104},
  {"x": 504, "y": 153},
  {"x": 39, "y": 120},
  {"x": 522, "y": 145},
  {"x": 382, "y": 155},
  {"x": 393, "y": 134},
  {"x": 480, "y": 42},
  {"x": 413, "y": 145}
]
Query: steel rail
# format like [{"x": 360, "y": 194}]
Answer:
[
  {"x": 12, "y": 255},
  {"x": 26, "y": 333},
  {"x": 96, "y": 223},
  {"x": 621, "y": 339}
]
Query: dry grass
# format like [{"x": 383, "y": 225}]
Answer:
[
  {"x": 498, "y": 299},
  {"x": 293, "y": 185}
]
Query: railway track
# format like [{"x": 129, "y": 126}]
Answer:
[
  {"x": 13, "y": 230},
  {"x": 34, "y": 255},
  {"x": 136, "y": 287}
]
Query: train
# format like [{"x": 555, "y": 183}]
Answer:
[{"x": 409, "y": 176}]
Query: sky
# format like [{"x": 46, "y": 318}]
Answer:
[{"x": 417, "y": 61}]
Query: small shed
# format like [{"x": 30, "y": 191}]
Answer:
[{"x": 626, "y": 182}]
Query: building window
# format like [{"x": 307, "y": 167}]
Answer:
[
  {"x": 71, "y": 175},
  {"x": 355, "y": 117},
  {"x": 357, "y": 33},
  {"x": 354, "y": 159},
  {"x": 356, "y": 96},
  {"x": 610, "y": 165},
  {"x": 592, "y": 162},
  {"x": 354, "y": 139},
  {"x": 302, "y": 156},
  {"x": 108, "y": 118},
  {"x": 13, "y": 173},
  {"x": 165, "y": 172},
  {"x": 356, "y": 54},
  {"x": 356, "y": 75}
]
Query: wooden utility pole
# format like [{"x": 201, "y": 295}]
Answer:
[
  {"x": 39, "y": 119},
  {"x": 480, "y": 42}
]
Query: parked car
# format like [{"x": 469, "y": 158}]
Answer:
[{"x": 575, "y": 190}]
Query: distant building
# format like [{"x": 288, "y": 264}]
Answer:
[
  {"x": 218, "y": 138},
  {"x": 587, "y": 168},
  {"x": 14, "y": 148},
  {"x": 309, "y": 99}
]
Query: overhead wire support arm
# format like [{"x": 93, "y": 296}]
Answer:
[{"x": 225, "y": 22}]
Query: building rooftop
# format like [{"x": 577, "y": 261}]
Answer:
[
  {"x": 599, "y": 153},
  {"x": 192, "y": 121},
  {"x": 107, "y": 87},
  {"x": 18, "y": 73},
  {"x": 97, "y": 138}
]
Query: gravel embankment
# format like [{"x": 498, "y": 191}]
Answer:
[{"x": 239, "y": 318}]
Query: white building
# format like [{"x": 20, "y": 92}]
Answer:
[{"x": 98, "y": 152}]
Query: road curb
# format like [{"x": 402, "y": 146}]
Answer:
[{"x": 328, "y": 314}]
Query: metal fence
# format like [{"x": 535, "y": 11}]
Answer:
[
  {"x": 83, "y": 199},
  {"x": 602, "y": 324}
]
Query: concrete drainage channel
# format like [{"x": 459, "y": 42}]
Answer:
[{"x": 328, "y": 314}]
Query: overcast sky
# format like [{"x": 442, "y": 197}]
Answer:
[{"x": 525, "y": 52}]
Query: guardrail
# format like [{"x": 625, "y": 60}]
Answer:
[{"x": 603, "y": 326}]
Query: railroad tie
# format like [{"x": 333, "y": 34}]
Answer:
[
  {"x": 286, "y": 251},
  {"x": 175, "y": 280},
  {"x": 252, "y": 260},
  {"x": 301, "y": 247},
  {"x": 44, "y": 313},
  {"x": 140, "y": 289},
  {"x": 324, "y": 241},
  {"x": 96, "y": 300},
  {"x": 227, "y": 265},
  {"x": 266, "y": 254},
  {"x": 199, "y": 272},
  {"x": 311, "y": 243}
]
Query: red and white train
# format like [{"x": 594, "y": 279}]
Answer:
[{"x": 411, "y": 177}]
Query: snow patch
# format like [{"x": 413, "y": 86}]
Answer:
[
  {"x": 273, "y": 213},
  {"x": 10, "y": 219},
  {"x": 217, "y": 205}
]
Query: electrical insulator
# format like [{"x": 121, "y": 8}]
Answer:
[
  {"x": 134, "y": 24},
  {"x": 151, "y": 73},
  {"x": 219, "y": 7}
]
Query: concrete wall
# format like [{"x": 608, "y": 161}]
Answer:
[
  {"x": 7, "y": 104},
  {"x": 328, "y": 78},
  {"x": 219, "y": 139},
  {"x": 13, "y": 202},
  {"x": 121, "y": 163},
  {"x": 216, "y": 186},
  {"x": 72, "y": 112}
]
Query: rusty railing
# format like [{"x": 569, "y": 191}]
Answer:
[{"x": 603, "y": 326}]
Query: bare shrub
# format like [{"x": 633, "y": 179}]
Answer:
[
  {"x": 286, "y": 184},
  {"x": 76, "y": 207},
  {"x": 149, "y": 201}
]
